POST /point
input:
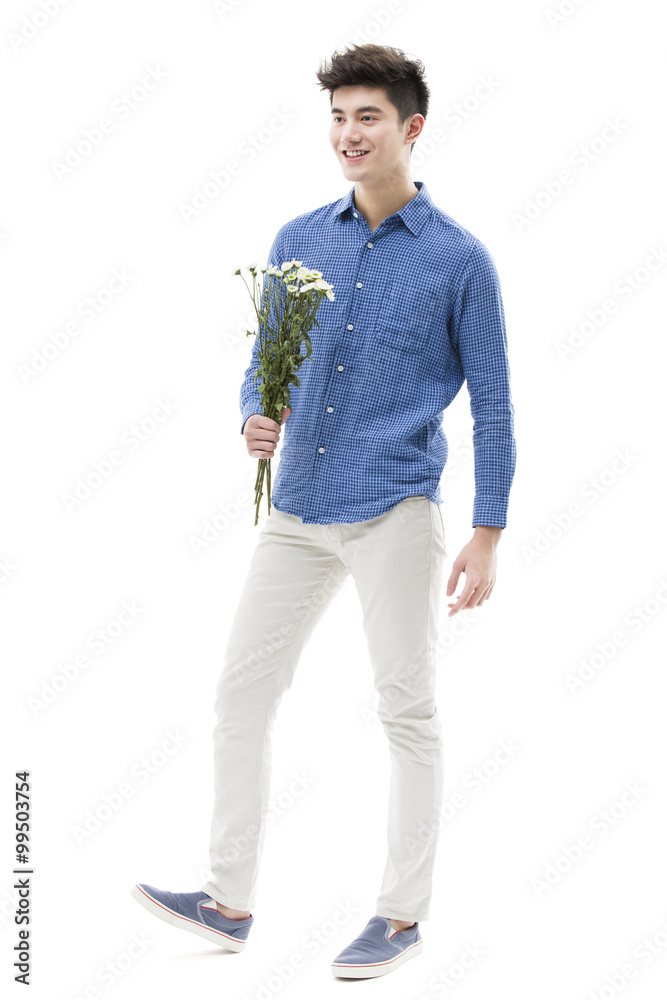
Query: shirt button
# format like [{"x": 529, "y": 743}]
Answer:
[
  {"x": 370, "y": 246},
  {"x": 355, "y": 215},
  {"x": 329, "y": 409},
  {"x": 359, "y": 285},
  {"x": 340, "y": 368},
  {"x": 350, "y": 327},
  {"x": 320, "y": 450}
]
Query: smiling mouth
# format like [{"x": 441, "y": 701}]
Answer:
[{"x": 355, "y": 155}]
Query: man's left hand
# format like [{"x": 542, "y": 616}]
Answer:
[{"x": 477, "y": 560}]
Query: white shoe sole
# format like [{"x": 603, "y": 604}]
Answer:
[
  {"x": 185, "y": 923},
  {"x": 377, "y": 968}
]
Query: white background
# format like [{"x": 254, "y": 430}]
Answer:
[{"x": 176, "y": 332}]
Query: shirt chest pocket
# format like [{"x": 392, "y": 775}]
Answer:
[{"x": 406, "y": 315}]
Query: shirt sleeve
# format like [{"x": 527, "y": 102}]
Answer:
[
  {"x": 480, "y": 339},
  {"x": 250, "y": 399}
]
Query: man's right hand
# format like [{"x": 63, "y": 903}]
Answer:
[{"x": 262, "y": 434}]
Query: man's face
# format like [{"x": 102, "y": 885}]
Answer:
[{"x": 364, "y": 119}]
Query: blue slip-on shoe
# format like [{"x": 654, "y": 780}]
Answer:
[
  {"x": 196, "y": 912},
  {"x": 379, "y": 949}
]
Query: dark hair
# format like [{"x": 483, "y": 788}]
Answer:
[{"x": 379, "y": 66}]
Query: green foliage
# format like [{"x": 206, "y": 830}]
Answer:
[{"x": 286, "y": 304}]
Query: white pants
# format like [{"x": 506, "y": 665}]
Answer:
[{"x": 396, "y": 561}]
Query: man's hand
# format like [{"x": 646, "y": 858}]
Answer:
[
  {"x": 477, "y": 560},
  {"x": 262, "y": 433}
]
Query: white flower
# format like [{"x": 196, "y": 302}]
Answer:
[
  {"x": 292, "y": 288},
  {"x": 319, "y": 286}
]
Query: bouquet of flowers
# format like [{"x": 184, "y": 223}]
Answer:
[{"x": 294, "y": 293}]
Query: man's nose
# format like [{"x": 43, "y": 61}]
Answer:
[{"x": 350, "y": 133}]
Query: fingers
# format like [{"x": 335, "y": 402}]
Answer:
[
  {"x": 256, "y": 452},
  {"x": 260, "y": 423},
  {"x": 462, "y": 602},
  {"x": 471, "y": 597},
  {"x": 453, "y": 579},
  {"x": 263, "y": 447},
  {"x": 262, "y": 436}
]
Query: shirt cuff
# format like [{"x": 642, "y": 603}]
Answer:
[
  {"x": 490, "y": 509},
  {"x": 248, "y": 410}
]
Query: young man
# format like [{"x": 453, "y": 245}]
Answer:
[{"x": 417, "y": 311}]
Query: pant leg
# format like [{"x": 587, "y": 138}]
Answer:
[
  {"x": 292, "y": 578},
  {"x": 397, "y": 562}
]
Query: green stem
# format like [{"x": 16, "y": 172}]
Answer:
[{"x": 268, "y": 483}]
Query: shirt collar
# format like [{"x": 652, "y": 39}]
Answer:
[{"x": 415, "y": 214}]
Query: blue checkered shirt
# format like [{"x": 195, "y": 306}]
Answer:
[{"x": 418, "y": 310}]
